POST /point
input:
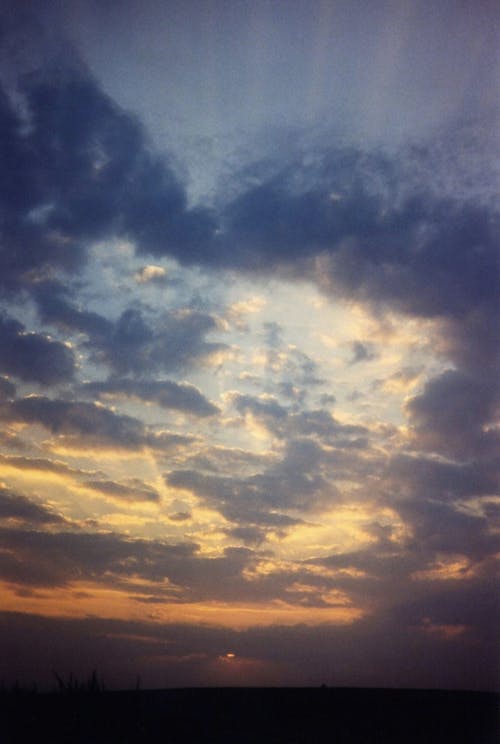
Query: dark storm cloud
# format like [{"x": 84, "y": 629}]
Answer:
[
  {"x": 297, "y": 481},
  {"x": 57, "y": 559},
  {"x": 76, "y": 168},
  {"x": 390, "y": 564},
  {"x": 55, "y": 307},
  {"x": 74, "y": 418},
  {"x": 277, "y": 227},
  {"x": 82, "y": 170},
  {"x": 455, "y": 414},
  {"x": 165, "y": 393},
  {"x": 134, "y": 343},
  {"x": 175, "y": 340},
  {"x": 444, "y": 481},
  {"x": 33, "y": 357},
  {"x": 256, "y": 500},
  {"x": 439, "y": 528},
  {"x": 7, "y": 388},
  {"x": 284, "y": 422},
  {"x": 381, "y": 239},
  {"x": 471, "y": 342},
  {"x": 25, "y": 247},
  {"x": 151, "y": 568},
  {"x": 87, "y": 424},
  {"x": 17, "y": 507},
  {"x": 427, "y": 259}
]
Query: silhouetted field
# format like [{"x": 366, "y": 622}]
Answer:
[{"x": 249, "y": 715}]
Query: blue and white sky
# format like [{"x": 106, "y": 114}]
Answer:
[{"x": 249, "y": 355}]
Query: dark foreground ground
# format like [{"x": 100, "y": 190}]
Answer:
[{"x": 244, "y": 715}]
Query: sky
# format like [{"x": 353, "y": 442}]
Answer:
[{"x": 249, "y": 353}]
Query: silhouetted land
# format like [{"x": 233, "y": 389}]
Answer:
[{"x": 249, "y": 715}]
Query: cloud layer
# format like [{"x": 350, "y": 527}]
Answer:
[{"x": 265, "y": 423}]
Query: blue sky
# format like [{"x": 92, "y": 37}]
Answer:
[{"x": 249, "y": 300}]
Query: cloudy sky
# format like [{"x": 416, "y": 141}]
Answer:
[{"x": 249, "y": 358}]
